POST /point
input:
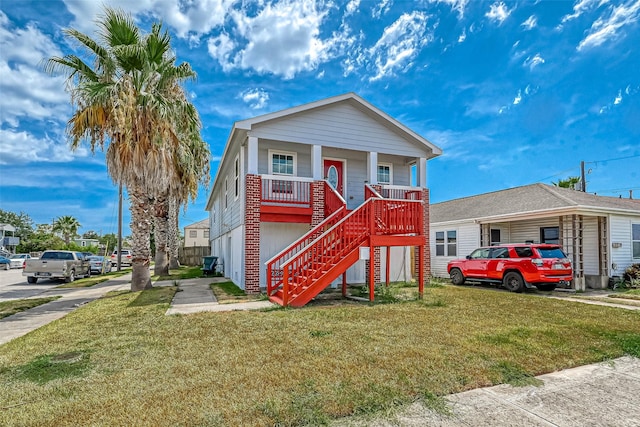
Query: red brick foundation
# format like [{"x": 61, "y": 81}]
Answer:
[{"x": 253, "y": 196}]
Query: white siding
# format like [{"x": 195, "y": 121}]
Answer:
[
  {"x": 399, "y": 264},
  {"x": 590, "y": 245},
  {"x": 523, "y": 231},
  {"x": 274, "y": 237},
  {"x": 340, "y": 126},
  {"x": 468, "y": 236},
  {"x": 620, "y": 232},
  {"x": 229, "y": 248}
]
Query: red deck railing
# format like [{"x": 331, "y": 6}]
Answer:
[
  {"x": 376, "y": 216},
  {"x": 290, "y": 191},
  {"x": 401, "y": 192}
]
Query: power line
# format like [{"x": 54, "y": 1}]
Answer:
[{"x": 613, "y": 160}]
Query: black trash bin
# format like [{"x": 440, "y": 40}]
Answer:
[{"x": 209, "y": 264}]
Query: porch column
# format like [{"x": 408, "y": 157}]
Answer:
[
  {"x": 317, "y": 200},
  {"x": 423, "y": 260},
  {"x": 316, "y": 163},
  {"x": 253, "y": 196},
  {"x": 422, "y": 172},
  {"x": 252, "y": 150},
  {"x": 372, "y": 167}
]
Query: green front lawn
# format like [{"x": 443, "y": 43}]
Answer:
[
  {"x": 94, "y": 280},
  {"x": 120, "y": 361},
  {"x": 9, "y": 308}
]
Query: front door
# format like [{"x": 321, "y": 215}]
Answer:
[{"x": 334, "y": 173}]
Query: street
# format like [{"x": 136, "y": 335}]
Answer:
[{"x": 13, "y": 285}]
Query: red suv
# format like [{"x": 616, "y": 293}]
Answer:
[{"x": 514, "y": 266}]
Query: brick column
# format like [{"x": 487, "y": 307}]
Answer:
[
  {"x": 253, "y": 195},
  {"x": 317, "y": 202},
  {"x": 425, "y": 231},
  {"x": 376, "y": 264}
]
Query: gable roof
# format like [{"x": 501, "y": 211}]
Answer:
[
  {"x": 241, "y": 128},
  {"x": 527, "y": 200},
  {"x": 200, "y": 224}
]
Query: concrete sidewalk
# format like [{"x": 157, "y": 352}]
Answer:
[
  {"x": 26, "y": 321},
  {"x": 195, "y": 296},
  {"x": 601, "y": 394}
]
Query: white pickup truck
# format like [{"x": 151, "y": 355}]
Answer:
[{"x": 66, "y": 265}]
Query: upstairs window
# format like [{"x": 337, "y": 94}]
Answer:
[
  {"x": 193, "y": 234},
  {"x": 385, "y": 173},
  {"x": 282, "y": 163},
  {"x": 237, "y": 177}
]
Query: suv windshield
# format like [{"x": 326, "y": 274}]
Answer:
[{"x": 551, "y": 253}]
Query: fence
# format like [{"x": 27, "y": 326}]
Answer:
[{"x": 192, "y": 255}]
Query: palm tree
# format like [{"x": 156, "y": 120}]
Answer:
[
  {"x": 67, "y": 226},
  {"x": 130, "y": 98}
]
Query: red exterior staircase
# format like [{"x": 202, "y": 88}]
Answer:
[{"x": 309, "y": 265}]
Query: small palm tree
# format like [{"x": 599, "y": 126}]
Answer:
[{"x": 67, "y": 226}]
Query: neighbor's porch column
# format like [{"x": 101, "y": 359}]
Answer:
[
  {"x": 421, "y": 171},
  {"x": 252, "y": 151},
  {"x": 372, "y": 167}
]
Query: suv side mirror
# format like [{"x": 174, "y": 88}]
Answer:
[{"x": 468, "y": 257}]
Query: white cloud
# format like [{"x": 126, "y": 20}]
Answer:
[
  {"x": 462, "y": 36},
  {"x": 188, "y": 18},
  {"x": 582, "y": 6},
  {"x": 498, "y": 12},
  {"x": 618, "y": 99},
  {"x": 530, "y": 23},
  {"x": 352, "y": 7},
  {"x": 27, "y": 91},
  {"x": 400, "y": 44},
  {"x": 381, "y": 8},
  {"x": 457, "y": 5},
  {"x": 534, "y": 61},
  {"x": 605, "y": 28},
  {"x": 256, "y": 98},
  {"x": 518, "y": 98},
  {"x": 283, "y": 39},
  {"x": 23, "y": 147}
]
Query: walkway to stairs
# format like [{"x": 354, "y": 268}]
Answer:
[{"x": 309, "y": 265}]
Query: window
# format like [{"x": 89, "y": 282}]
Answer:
[
  {"x": 523, "y": 251},
  {"x": 635, "y": 240},
  {"x": 448, "y": 247},
  {"x": 495, "y": 236},
  {"x": 282, "y": 163},
  {"x": 206, "y": 234},
  {"x": 193, "y": 233},
  {"x": 226, "y": 193},
  {"x": 500, "y": 253},
  {"x": 385, "y": 173},
  {"x": 482, "y": 253},
  {"x": 237, "y": 177},
  {"x": 550, "y": 235}
]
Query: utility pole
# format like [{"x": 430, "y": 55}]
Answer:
[
  {"x": 119, "y": 227},
  {"x": 583, "y": 178}
]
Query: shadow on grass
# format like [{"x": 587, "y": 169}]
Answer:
[{"x": 154, "y": 296}]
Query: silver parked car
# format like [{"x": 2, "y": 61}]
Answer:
[
  {"x": 19, "y": 260},
  {"x": 99, "y": 264}
]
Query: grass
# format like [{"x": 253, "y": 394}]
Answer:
[
  {"x": 229, "y": 292},
  {"x": 184, "y": 272},
  {"x": 9, "y": 308},
  {"x": 94, "y": 280},
  {"x": 134, "y": 365}
]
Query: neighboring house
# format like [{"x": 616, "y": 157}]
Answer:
[
  {"x": 8, "y": 243},
  {"x": 309, "y": 171},
  {"x": 85, "y": 243},
  {"x": 197, "y": 234},
  {"x": 600, "y": 234}
]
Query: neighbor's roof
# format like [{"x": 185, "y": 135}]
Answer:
[
  {"x": 200, "y": 224},
  {"x": 529, "y": 199}
]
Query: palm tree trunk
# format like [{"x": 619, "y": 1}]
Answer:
[
  {"x": 140, "y": 228},
  {"x": 161, "y": 220},
  {"x": 172, "y": 237}
]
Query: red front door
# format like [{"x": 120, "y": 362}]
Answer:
[{"x": 334, "y": 173}]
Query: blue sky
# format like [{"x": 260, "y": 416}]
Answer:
[{"x": 513, "y": 92}]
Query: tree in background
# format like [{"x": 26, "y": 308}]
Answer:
[
  {"x": 130, "y": 97},
  {"x": 41, "y": 240},
  {"x": 91, "y": 235},
  {"x": 567, "y": 183},
  {"x": 21, "y": 222},
  {"x": 67, "y": 226}
]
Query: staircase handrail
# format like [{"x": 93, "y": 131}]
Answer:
[
  {"x": 370, "y": 192},
  {"x": 332, "y": 199}
]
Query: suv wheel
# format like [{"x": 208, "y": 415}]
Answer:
[
  {"x": 513, "y": 282},
  {"x": 457, "y": 278},
  {"x": 546, "y": 286}
]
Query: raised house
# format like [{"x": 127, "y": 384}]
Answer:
[{"x": 304, "y": 197}]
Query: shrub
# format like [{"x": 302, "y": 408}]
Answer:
[{"x": 632, "y": 275}]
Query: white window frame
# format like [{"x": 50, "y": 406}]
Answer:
[
  {"x": 634, "y": 241},
  {"x": 445, "y": 243},
  {"x": 226, "y": 192},
  {"x": 390, "y": 166},
  {"x": 193, "y": 234},
  {"x": 283, "y": 153},
  {"x": 236, "y": 166}
]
